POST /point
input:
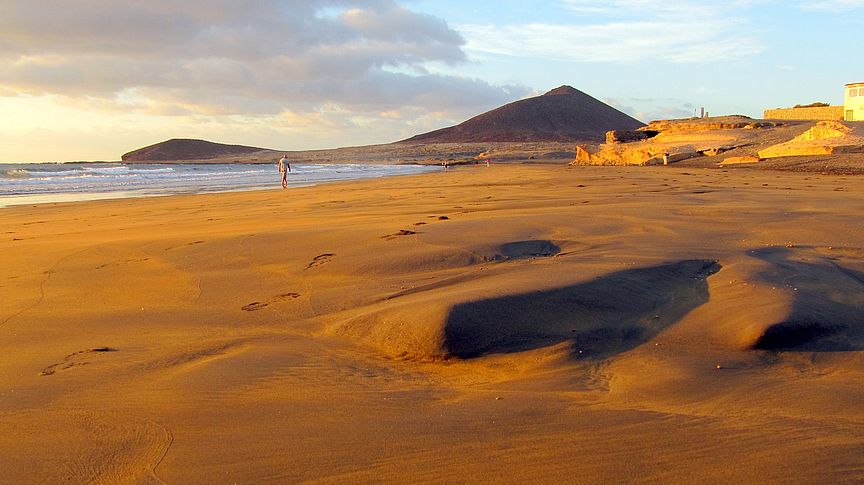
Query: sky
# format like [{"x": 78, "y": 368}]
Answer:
[{"x": 93, "y": 79}]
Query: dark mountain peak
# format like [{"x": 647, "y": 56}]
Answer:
[
  {"x": 564, "y": 114},
  {"x": 568, "y": 90},
  {"x": 186, "y": 149}
]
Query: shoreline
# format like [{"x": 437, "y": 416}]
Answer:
[{"x": 299, "y": 179}]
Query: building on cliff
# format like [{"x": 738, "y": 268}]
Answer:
[
  {"x": 852, "y": 109},
  {"x": 853, "y": 102}
]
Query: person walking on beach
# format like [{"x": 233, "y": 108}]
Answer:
[{"x": 284, "y": 168}]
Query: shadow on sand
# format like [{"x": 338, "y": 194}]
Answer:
[
  {"x": 609, "y": 315},
  {"x": 827, "y": 313}
]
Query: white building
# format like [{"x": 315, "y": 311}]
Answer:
[{"x": 853, "y": 103}]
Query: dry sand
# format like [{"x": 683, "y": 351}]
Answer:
[{"x": 519, "y": 323}]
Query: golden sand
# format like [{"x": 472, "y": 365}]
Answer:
[{"x": 518, "y": 323}]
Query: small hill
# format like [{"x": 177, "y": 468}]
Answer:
[
  {"x": 186, "y": 149},
  {"x": 564, "y": 114}
]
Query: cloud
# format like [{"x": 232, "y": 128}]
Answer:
[
  {"x": 624, "y": 30},
  {"x": 650, "y": 109},
  {"x": 220, "y": 57}
]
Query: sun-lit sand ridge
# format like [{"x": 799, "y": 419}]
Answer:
[{"x": 513, "y": 323}]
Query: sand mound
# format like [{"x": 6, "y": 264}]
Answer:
[
  {"x": 405, "y": 259},
  {"x": 605, "y": 316},
  {"x": 824, "y": 314},
  {"x": 609, "y": 315}
]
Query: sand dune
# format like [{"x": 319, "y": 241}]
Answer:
[{"x": 518, "y": 323}]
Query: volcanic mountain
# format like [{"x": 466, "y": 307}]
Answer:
[
  {"x": 564, "y": 114},
  {"x": 185, "y": 149}
]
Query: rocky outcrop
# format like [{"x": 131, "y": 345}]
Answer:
[
  {"x": 826, "y": 138},
  {"x": 624, "y": 136},
  {"x": 825, "y": 130},
  {"x": 583, "y": 156},
  {"x": 665, "y": 142},
  {"x": 634, "y": 154},
  {"x": 719, "y": 123}
]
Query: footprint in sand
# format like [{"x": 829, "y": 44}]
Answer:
[
  {"x": 139, "y": 260},
  {"x": 193, "y": 243},
  {"x": 260, "y": 305},
  {"x": 403, "y": 232},
  {"x": 320, "y": 260},
  {"x": 74, "y": 359}
]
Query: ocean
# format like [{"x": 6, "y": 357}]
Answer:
[{"x": 28, "y": 183}]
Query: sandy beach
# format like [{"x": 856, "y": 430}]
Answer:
[{"x": 510, "y": 324}]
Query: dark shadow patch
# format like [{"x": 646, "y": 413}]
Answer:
[
  {"x": 102, "y": 349},
  {"x": 606, "y": 316},
  {"x": 528, "y": 249},
  {"x": 801, "y": 336},
  {"x": 826, "y": 313}
]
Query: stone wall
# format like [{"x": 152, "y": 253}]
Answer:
[{"x": 824, "y": 113}]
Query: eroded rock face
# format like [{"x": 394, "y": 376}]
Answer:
[
  {"x": 734, "y": 122},
  {"x": 583, "y": 156},
  {"x": 637, "y": 153},
  {"x": 625, "y": 136},
  {"x": 672, "y": 141},
  {"x": 826, "y": 138},
  {"x": 825, "y": 130}
]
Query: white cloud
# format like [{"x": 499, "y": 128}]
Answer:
[
  {"x": 237, "y": 57},
  {"x": 624, "y": 30}
]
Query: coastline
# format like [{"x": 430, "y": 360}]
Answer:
[
  {"x": 46, "y": 183},
  {"x": 602, "y": 323}
]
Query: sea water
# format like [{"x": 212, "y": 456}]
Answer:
[{"x": 59, "y": 182}]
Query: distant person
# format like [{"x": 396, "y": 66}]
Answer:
[
  {"x": 666, "y": 158},
  {"x": 284, "y": 168},
  {"x": 487, "y": 162}
]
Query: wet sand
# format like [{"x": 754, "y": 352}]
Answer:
[{"x": 517, "y": 323}]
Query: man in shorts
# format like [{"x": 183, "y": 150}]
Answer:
[{"x": 284, "y": 168}]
